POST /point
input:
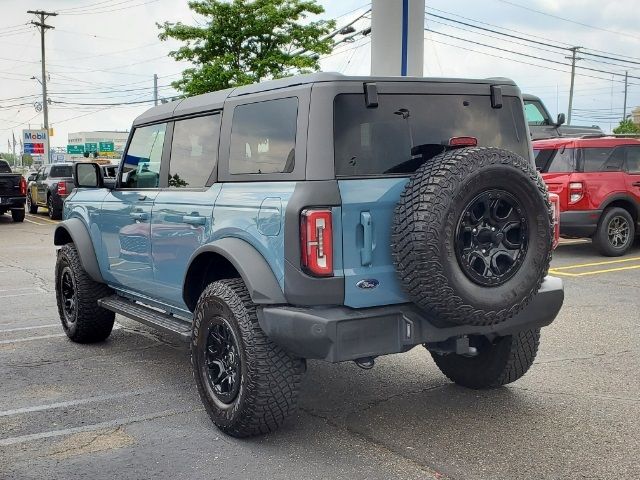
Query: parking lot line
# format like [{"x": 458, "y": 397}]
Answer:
[
  {"x": 35, "y": 327},
  {"x": 562, "y": 270},
  {"x": 43, "y": 219},
  {"x": 30, "y": 339},
  {"x": 89, "y": 428}
]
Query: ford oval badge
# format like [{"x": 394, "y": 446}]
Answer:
[{"x": 367, "y": 283}]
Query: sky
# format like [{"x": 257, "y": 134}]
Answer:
[{"x": 107, "y": 51}]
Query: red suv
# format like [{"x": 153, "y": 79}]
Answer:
[{"x": 598, "y": 181}]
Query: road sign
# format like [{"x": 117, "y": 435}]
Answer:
[
  {"x": 77, "y": 149},
  {"x": 106, "y": 147},
  {"x": 91, "y": 147},
  {"x": 36, "y": 142}
]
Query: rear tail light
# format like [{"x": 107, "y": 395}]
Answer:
[
  {"x": 576, "y": 192},
  {"x": 23, "y": 186},
  {"x": 463, "y": 142},
  {"x": 62, "y": 188},
  {"x": 316, "y": 242},
  {"x": 555, "y": 209}
]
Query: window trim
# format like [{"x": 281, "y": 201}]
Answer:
[
  {"x": 214, "y": 173},
  {"x": 168, "y": 135}
]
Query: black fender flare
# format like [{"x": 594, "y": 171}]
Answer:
[
  {"x": 621, "y": 196},
  {"x": 254, "y": 270},
  {"x": 74, "y": 231}
]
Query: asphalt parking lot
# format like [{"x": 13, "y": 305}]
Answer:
[{"x": 128, "y": 408}]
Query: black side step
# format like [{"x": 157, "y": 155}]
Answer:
[{"x": 140, "y": 313}]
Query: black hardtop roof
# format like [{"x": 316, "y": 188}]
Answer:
[{"x": 215, "y": 100}]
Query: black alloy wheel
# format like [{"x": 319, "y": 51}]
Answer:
[
  {"x": 618, "y": 231},
  {"x": 50, "y": 207},
  {"x": 222, "y": 362},
  {"x": 68, "y": 296},
  {"x": 491, "y": 238}
]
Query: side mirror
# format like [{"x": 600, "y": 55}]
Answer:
[
  {"x": 32, "y": 177},
  {"x": 561, "y": 119},
  {"x": 87, "y": 175}
]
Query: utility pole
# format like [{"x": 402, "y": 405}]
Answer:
[
  {"x": 155, "y": 89},
  {"x": 45, "y": 104},
  {"x": 626, "y": 85},
  {"x": 574, "y": 51}
]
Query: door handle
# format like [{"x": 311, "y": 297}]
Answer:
[
  {"x": 194, "y": 219},
  {"x": 142, "y": 198},
  {"x": 636, "y": 184},
  {"x": 139, "y": 215},
  {"x": 366, "y": 252}
]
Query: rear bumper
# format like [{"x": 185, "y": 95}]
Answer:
[
  {"x": 579, "y": 223},
  {"x": 338, "y": 334},
  {"x": 12, "y": 202}
]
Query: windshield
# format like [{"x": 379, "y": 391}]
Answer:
[
  {"x": 555, "y": 160},
  {"x": 404, "y": 131}
]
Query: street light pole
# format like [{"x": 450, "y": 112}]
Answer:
[
  {"x": 574, "y": 51},
  {"x": 45, "y": 105}
]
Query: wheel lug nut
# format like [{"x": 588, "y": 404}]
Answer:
[
  {"x": 484, "y": 251},
  {"x": 493, "y": 229},
  {"x": 475, "y": 230}
]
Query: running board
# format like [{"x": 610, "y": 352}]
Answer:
[{"x": 149, "y": 316}]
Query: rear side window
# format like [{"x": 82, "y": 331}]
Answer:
[
  {"x": 595, "y": 159},
  {"x": 59, "y": 171},
  {"x": 141, "y": 167},
  {"x": 555, "y": 160},
  {"x": 194, "y": 151},
  {"x": 404, "y": 131},
  {"x": 263, "y": 137}
]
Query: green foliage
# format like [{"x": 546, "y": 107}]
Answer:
[
  {"x": 626, "y": 126},
  {"x": 244, "y": 42},
  {"x": 27, "y": 160}
]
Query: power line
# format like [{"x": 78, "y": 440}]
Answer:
[
  {"x": 96, "y": 12},
  {"x": 513, "y": 4}
]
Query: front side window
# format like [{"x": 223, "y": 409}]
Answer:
[
  {"x": 141, "y": 168},
  {"x": 263, "y": 137},
  {"x": 535, "y": 114},
  {"x": 194, "y": 151}
]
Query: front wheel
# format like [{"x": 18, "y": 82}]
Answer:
[
  {"x": 616, "y": 232},
  {"x": 77, "y": 296},
  {"x": 497, "y": 362},
  {"x": 248, "y": 385}
]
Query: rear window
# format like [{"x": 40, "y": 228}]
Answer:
[
  {"x": 404, "y": 131},
  {"x": 60, "y": 171},
  {"x": 555, "y": 160}
]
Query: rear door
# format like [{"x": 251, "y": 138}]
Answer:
[
  {"x": 378, "y": 148},
  {"x": 182, "y": 213}
]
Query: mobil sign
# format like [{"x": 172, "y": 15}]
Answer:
[{"x": 36, "y": 142}]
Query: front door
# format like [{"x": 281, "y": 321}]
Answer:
[{"x": 125, "y": 219}]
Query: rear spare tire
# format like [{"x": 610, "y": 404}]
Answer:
[{"x": 472, "y": 235}]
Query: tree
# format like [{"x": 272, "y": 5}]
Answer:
[
  {"x": 244, "y": 42},
  {"x": 627, "y": 126}
]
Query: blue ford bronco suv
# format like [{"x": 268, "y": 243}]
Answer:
[{"x": 318, "y": 217}]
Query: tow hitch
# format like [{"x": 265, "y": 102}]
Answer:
[{"x": 457, "y": 345}]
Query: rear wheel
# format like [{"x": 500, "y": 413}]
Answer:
[
  {"x": 31, "y": 205},
  {"x": 248, "y": 385},
  {"x": 17, "y": 214},
  {"x": 55, "y": 210},
  {"x": 77, "y": 296},
  {"x": 616, "y": 232},
  {"x": 497, "y": 362}
]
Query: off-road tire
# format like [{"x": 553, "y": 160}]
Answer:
[
  {"x": 54, "y": 210},
  {"x": 424, "y": 230},
  {"x": 601, "y": 237},
  {"x": 32, "y": 207},
  {"x": 269, "y": 376},
  {"x": 502, "y": 361},
  {"x": 91, "y": 323},
  {"x": 17, "y": 214}
]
